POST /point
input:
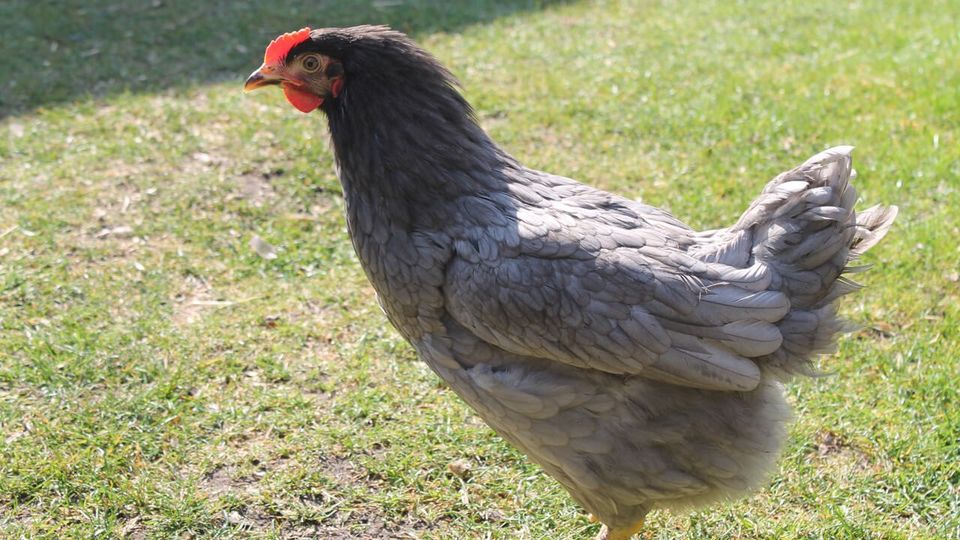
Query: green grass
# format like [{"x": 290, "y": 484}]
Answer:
[{"x": 158, "y": 379}]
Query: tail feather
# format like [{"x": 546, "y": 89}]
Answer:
[
  {"x": 804, "y": 228},
  {"x": 872, "y": 225}
]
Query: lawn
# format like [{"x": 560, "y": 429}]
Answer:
[{"x": 161, "y": 379}]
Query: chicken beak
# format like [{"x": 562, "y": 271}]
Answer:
[{"x": 264, "y": 76}]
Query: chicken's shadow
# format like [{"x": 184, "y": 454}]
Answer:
[{"x": 59, "y": 52}]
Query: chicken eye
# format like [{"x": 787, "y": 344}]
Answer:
[{"x": 310, "y": 63}]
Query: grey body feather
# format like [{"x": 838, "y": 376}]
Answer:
[{"x": 637, "y": 360}]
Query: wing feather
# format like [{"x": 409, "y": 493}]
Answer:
[{"x": 599, "y": 294}]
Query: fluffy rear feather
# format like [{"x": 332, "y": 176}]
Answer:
[{"x": 804, "y": 228}]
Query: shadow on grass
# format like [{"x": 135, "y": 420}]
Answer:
[{"x": 59, "y": 51}]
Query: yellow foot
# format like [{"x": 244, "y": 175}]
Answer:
[
  {"x": 592, "y": 518},
  {"x": 625, "y": 533}
]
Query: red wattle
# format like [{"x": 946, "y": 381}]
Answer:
[{"x": 302, "y": 101}]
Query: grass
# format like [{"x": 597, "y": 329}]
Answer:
[{"x": 159, "y": 379}]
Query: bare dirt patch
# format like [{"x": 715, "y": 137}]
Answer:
[
  {"x": 324, "y": 515},
  {"x": 366, "y": 527},
  {"x": 195, "y": 298},
  {"x": 224, "y": 480},
  {"x": 829, "y": 443},
  {"x": 254, "y": 188},
  {"x": 132, "y": 529},
  {"x": 839, "y": 454}
]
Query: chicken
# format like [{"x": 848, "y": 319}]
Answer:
[{"x": 638, "y": 361}]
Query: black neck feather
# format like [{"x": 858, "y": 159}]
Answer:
[{"x": 404, "y": 137}]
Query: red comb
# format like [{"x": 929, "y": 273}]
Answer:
[{"x": 277, "y": 49}]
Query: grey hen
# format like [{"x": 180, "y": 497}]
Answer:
[{"x": 637, "y": 360}]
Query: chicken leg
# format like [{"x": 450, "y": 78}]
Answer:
[{"x": 623, "y": 533}]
